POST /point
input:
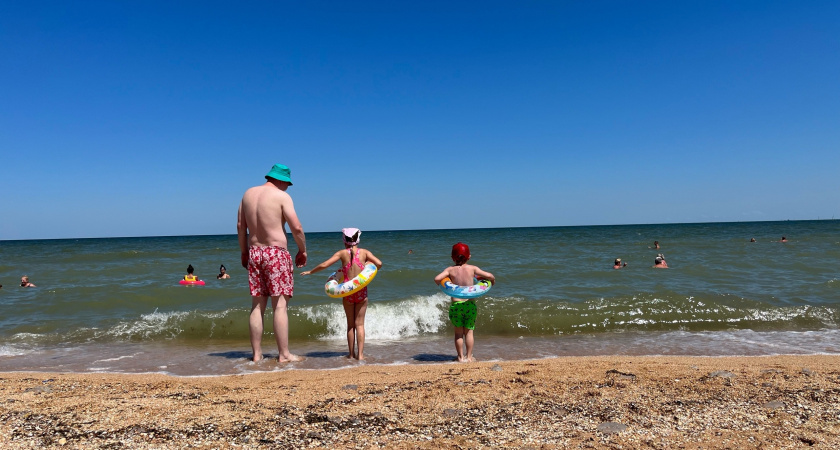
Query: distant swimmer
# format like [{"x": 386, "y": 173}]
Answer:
[
  {"x": 659, "y": 262},
  {"x": 784, "y": 239},
  {"x": 617, "y": 264},
  {"x": 190, "y": 276},
  {"x": 223, "y": 275},
  {"x": 752, "y": 240},
  {"x": 24, "y": 282},
  {"x": 410, "y": 251},
  {"x": 655, "y": 245}
]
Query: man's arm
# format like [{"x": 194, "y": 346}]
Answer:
[
  {"x": 296, "y": 228},
  {"x": 242, "y": 234}
]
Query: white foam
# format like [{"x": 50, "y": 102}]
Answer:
[
  {"x": 386, "y": 321},
  {"x": 150, "y": 325},
  {"x": 8, "y": 350}
]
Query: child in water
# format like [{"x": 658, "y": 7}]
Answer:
[
  {"x": 353, "y": 260},
  {"x": 189, "y": 276},
  {"x": 223, "y": 275},
  {"x": 462, "y": 313}
]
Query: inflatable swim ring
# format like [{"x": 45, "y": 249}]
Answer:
[
  {"x": 192, "y": 283},
  {"x": 337, "y": 290},
  {"x": 476, "y": 290}
]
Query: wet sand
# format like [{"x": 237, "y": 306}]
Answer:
[{"x": 575, "y": 402}]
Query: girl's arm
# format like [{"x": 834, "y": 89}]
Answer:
[
  {"x": 373, "y": 259},
  {"x": 324, "y": 264}
]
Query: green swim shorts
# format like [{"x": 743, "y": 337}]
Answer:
[{"x": 463, "y": 314}]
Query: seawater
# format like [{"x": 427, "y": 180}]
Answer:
[{"x": 115, "y": 305}]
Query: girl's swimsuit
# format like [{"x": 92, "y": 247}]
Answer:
[
  {"x": 190, "y": 278},
  {"x": 361, "y": 295}
]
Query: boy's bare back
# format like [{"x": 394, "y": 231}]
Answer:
[{"x": 464, "y": 274}]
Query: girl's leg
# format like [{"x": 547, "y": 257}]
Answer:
[
  {"x": 361, "y": 309},
  {"x": 459, "y": 342},
  {"x": 469, "y": 341},
  {"x": 349, "y": 311}
]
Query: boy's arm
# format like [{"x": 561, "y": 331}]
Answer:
[
  {"x": 324, "y": 264},
  {"x": 485, "y": 275},
  {"x": 373, "y": 259},
  {"x": 442, "y": 275}
]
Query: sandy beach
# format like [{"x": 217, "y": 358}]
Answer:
[{"x": 581, "y": 402}]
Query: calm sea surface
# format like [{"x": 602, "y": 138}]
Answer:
[{"x": 115, "y": 305}]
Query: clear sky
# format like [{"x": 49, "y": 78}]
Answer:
[{"x": 142, "y": 118}]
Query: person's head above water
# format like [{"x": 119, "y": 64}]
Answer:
[
  {"x": 222, "y": 269},
  {"x": 460, "y": 253},
  {"x": 351, "y": 236},
  {"x": 190, "y": 269}
]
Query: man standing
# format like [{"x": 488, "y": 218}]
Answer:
[{"x": 261, "y": 225}]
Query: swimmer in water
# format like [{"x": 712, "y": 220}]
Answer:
[
  {"x": 223, "y": 275},
  {"x": 617, "y": 264},
  {"x": 24, "y": 282},
  {"x": 659, "y": 262},
  {"x": 189, "y": 276}
]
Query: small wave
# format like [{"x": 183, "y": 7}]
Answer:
[
  {"x": 385, "y": 320},
  {"x": 175, "y": 324},
  {"x": 8, "y": 350}
]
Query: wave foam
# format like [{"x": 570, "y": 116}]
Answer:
[{"x": 385, "y": 321}]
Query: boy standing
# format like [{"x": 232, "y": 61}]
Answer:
[{"x": 462, "y": 313}]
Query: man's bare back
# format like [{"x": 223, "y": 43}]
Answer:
[
  {"x": 263, "y": 214},
  {"x": 262, "y": 211}
]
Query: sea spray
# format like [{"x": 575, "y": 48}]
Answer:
[{"x": 385, "y": 320}]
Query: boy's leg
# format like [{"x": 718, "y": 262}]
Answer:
[
  {"x": 459, "y": 342},
  {"x": 361, "y": 309},
  {"x": 350, "y": 312},
  {"x": 255, "y": 324},
  {"x": 469, "y": 341},
  {"x": 281, "y": 328}
]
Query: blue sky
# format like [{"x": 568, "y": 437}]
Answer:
[{"x": 139, "y": 118}]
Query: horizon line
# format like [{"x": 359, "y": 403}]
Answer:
[{"x": 439, "y": 229}]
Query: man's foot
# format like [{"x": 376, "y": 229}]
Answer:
[
  {"x": 290, "y": 358},
  {"x": 361, "y": 357}
]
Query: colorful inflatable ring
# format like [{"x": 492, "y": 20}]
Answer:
[
  {"x": 337, "y": 290},
  {"x": 453, "y": 290},
  {"x": 192, "y": 283}
]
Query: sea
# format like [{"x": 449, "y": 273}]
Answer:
[{"x": 114, "y": 305}]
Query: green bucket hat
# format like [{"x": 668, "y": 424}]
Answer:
[{"x": 280, "y": 172}]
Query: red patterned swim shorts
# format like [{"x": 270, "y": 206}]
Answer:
[{"x": 270, "y": 272}]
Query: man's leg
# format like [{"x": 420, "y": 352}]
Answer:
[
  {"x": 281, "y": 328},
  {"x": 255, "y": 323}
]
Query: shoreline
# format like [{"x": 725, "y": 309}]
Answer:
[{"x": 580, "y": 401}]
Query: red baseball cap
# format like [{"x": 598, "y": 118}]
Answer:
[{"x": 460, "y": 253}]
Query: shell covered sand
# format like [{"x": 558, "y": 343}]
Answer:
[{"x": 588, "y": 402}]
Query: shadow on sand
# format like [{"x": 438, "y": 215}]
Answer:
[{"x": 433, "y": 357}]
